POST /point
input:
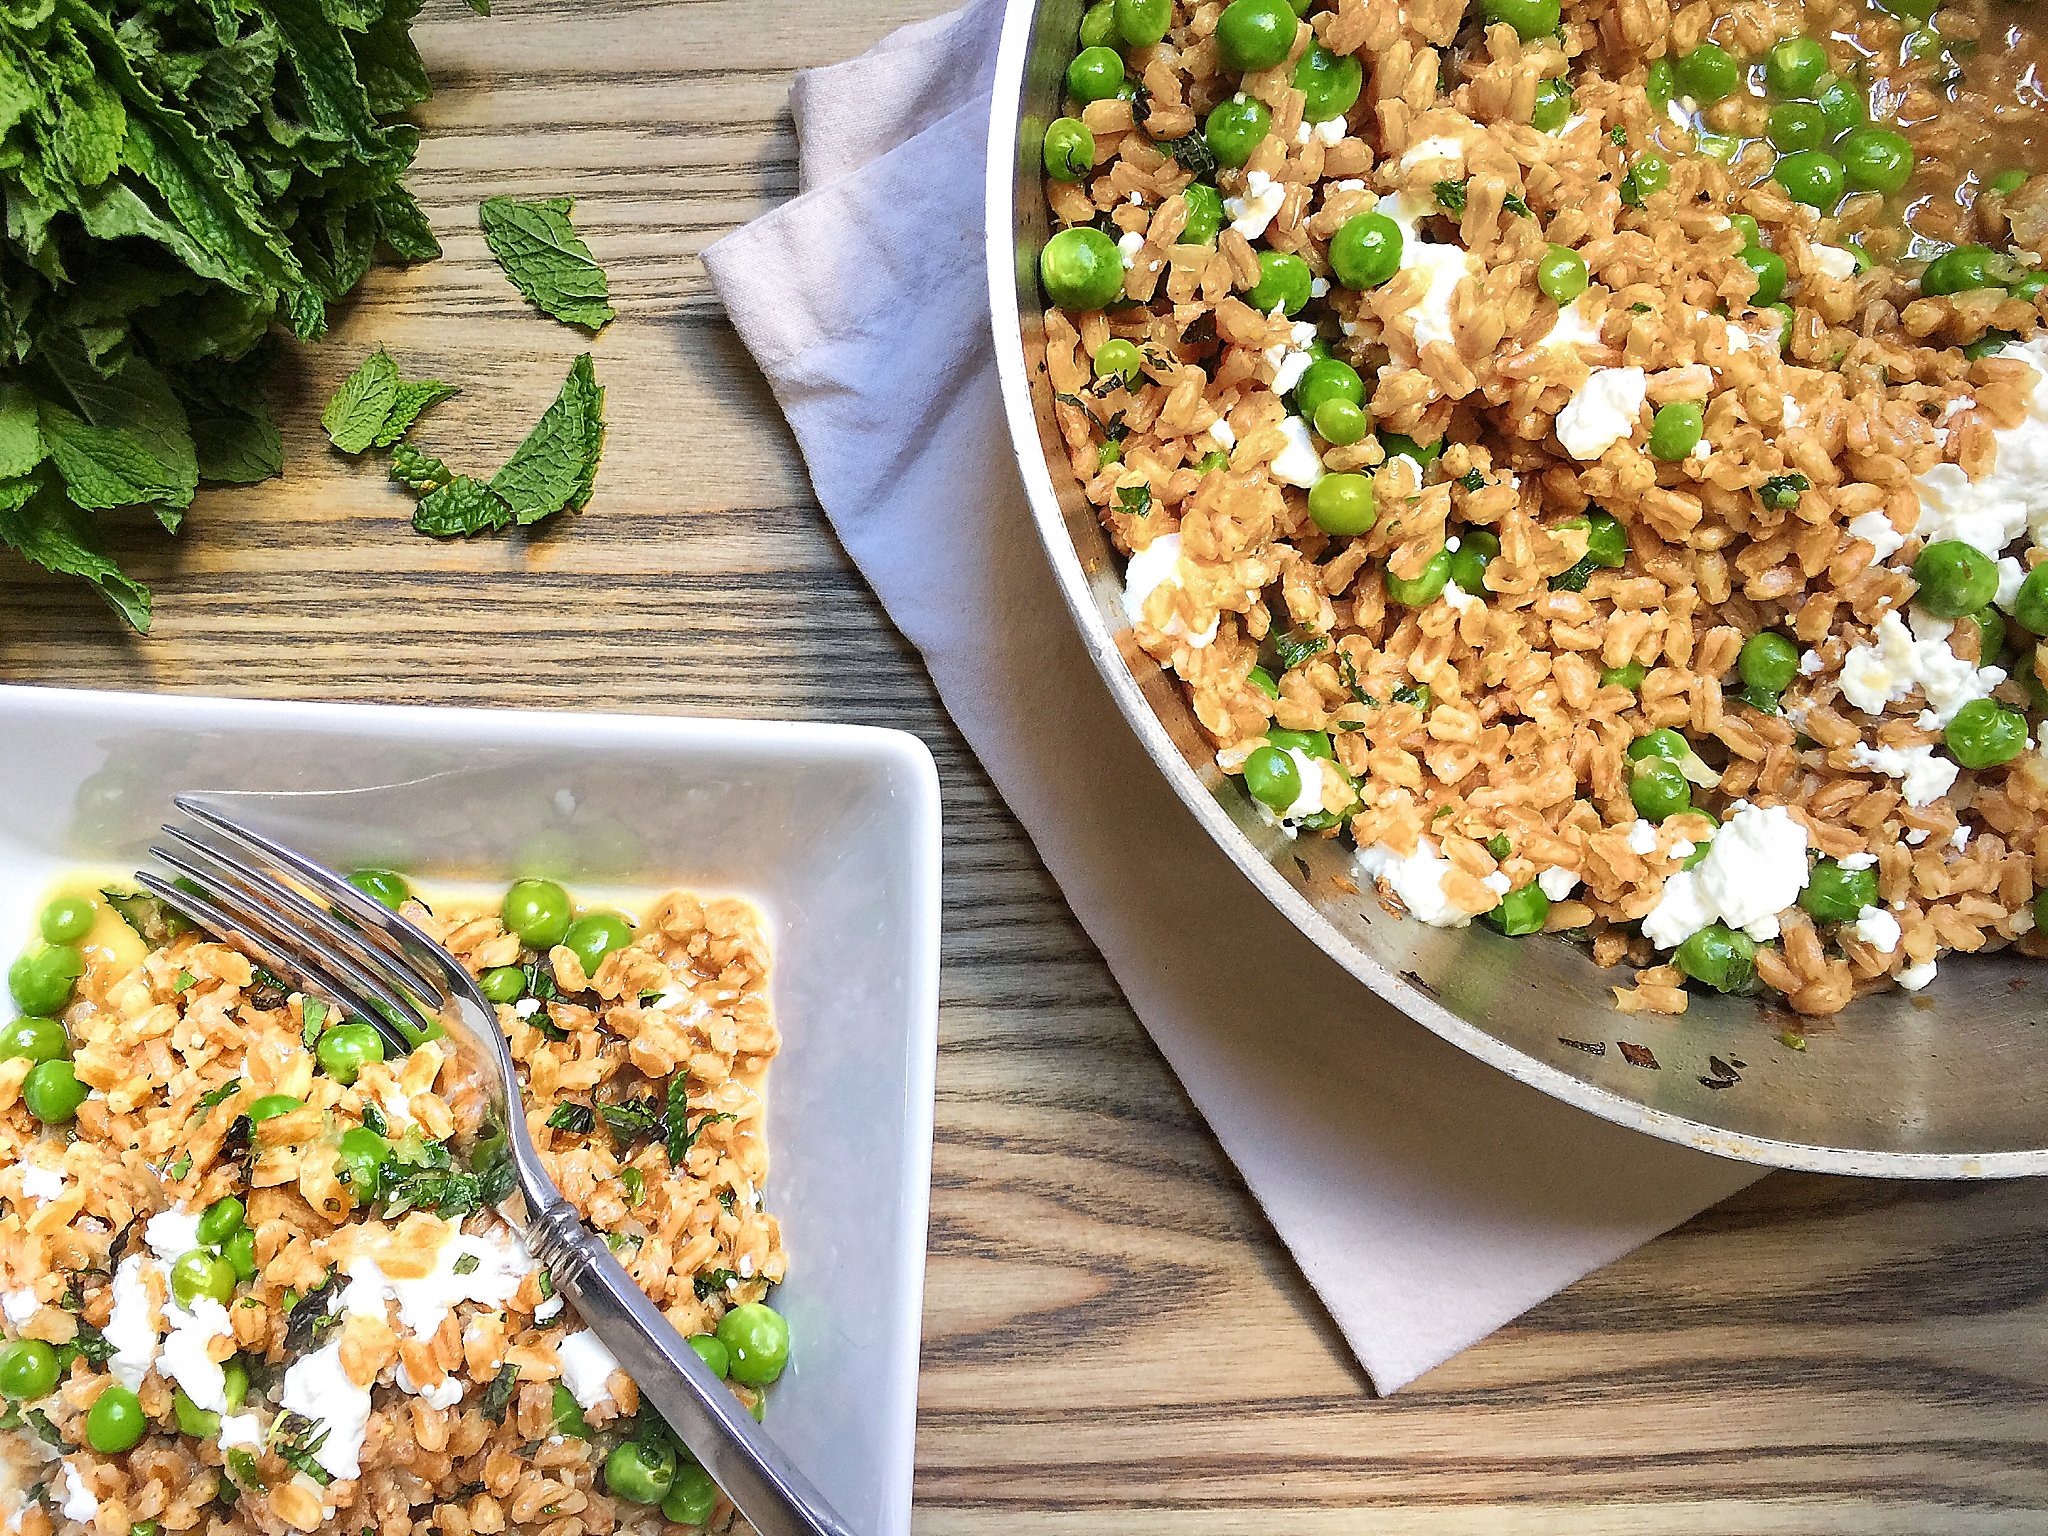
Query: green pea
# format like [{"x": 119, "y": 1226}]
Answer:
[
  {"x": 1676, "y": 429},
  {"x": 1990, "y": 624},
  {"x": 43, "y": 980},
  {"x": 1343, "y": 504},
  {"x": 1717, "y": 146},
  {"x": 641, "y": 1471},
  {"x": 52, "y": 1092},
  {"x": 1664, "y": 743},
  {"x": 1522, "y": 911},
  {"x": 360, "y": 1162},
  {"x": 1283, "y": 285},
  {"x": 1398, "y": 445},
  {"x": 1745, "y": 226},
  {"x": 757, "y": 1338},
  {"x": 1606, "y": 539},
  {"x": 2029, "y": 607},
  {"x": 1719, "y": 957},
  {"x": 716, "y": 1357},
  {"x": 1650, "y": 174},
  {"x": 1796, "y": 125},
  {"x": 538, "y": 911},
  {"x": 145, "y": 1528},
  {"x": 1982, "y": 735},
  {"x": 1836, "y": 895},
  {"x": 66, "y": 920},
  {"x": 1069, "y": 149},
  {"x": 595, "y": 935},
  {"x": 1331, "y": 82},
  {"x": 1990, "y": 344},
  {"x": 2029, "y": 286},
  {"x": 1768, "y": 662},
  {"x": 1561, "y": 274},
  {"x": 345, "y": 1049},
  {"x": 1366, "y": 251},
  {"x": 1660, "y": 84},
  {"x": 1098, "y": 24},
  {"x": 1787, "y": 319},
  {"x": 1629, "y": 676},
  {"x": 1963, "y": 270},
  {"x": 1235, "y": 128},
  {"x": 1342, "y": 422},
  {"x": 115, "y": 1423},
  {"x": 36, "y": 1039},
  {"x": 1081, "y": 269},
  {"x": 1769, "y": 268},
  {"x": 1708, "y": 73},
  {"x": 1658, "y": 789},
  {"x": 386, "y": 887},
  {"x": 691, "y": 1498},
  {"x": 1842, "y": 104},
  {"x": 1116, "y": 358},
  {"x": 221, "y": 1221},
  {"x": 1876, "y": 160},
  {"x": 1095, "y": 74},
  {"x": 1554, "y": 103},
  {"x": 1255, "y": 34},
  {"x": 28, "y": 1370},
  {"x": 1272, "y": 777},
  {"x": 1142, "y": 23},
  {"x": 240, "y": 1252},
  {"x": 1425, "y": 586},
  {"x": 503, "y": 984},
  {"x": 1811, "y": 176},
  {"x": 1315, "y": 744},
  {"x": 1476, "y": 550},
  {"x": 271, "y": 1105},
  {"x": 1529, "y": 18},
  {"x": 1328, "y": 378},
  {"x": 2005, "y": 183},
  {"x": 1794, "y": 67},
  {"x": 1955, "y": 578},
  {"x": 199, "y": 1423},
  {"x": 1205, "y": 214},
  {"x": 200, "y": 1273}
]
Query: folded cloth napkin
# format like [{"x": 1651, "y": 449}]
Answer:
[{"x": 1428, "y": 1198}]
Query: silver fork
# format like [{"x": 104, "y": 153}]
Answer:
[{"x": 305, "y": 923}]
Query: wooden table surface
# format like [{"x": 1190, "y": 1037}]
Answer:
[{"x": 1114, "y": 1340}]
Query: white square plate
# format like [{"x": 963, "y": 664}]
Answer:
[{"x": 832, "y": 830}]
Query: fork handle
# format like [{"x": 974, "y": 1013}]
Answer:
[{"x": 700, "y": 1408}]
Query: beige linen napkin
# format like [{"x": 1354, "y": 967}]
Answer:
[{"x": 1427, "y": 1198}]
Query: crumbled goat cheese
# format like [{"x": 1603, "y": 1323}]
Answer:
[
  {"x": 500, "y": 1265},
  {"x": 173, "y": 1234},
  {"x": 1923, "y": 777},
  {"x": 1859, "y": 861},
  {"x": 1602, "y": 412},
  {"x": 1251, "y": 213},
  {"x": 1642, "y": 837},
  {"x": 587, "y": 1368},
  {"x": 1876, "y": 530},
  {"x": 1310, "y": 800},
  {"x": 131, "y": 1328},
  {"x": 1899, "y": 661},
  {"x": 79, "y": 1503},
  {"x": 41, "y": 1184},
  {"x": 316, "y": 1386},
  {"x": 1418, "y": 879},
  {"x": 1444, "y": 267},
  {"x": 1298, "y": 463},
  {"x": 2012, "y": 497},
  {"x": 1877, "y": 928},
  {"x": 1158, "y": 564},
  {"x": 1575, "y": 326},
  {"x": 1914, "y": 977},
  {"x": 1755, "y": 869},
  {"x": 1221, "y": 435},
  {"x": 1557, "y": 883},
  {"x": 1833, "y": 261},
  {"x": 19, "y": 1306}
]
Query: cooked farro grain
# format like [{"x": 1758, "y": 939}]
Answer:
[
  {"x": 1626, "y": 616},
  {"x": 342, "y": 1361}
]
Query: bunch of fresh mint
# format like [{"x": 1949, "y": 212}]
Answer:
[{"x": 180, "y": 178}]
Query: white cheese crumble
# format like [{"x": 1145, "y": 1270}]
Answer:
[
  {"x": 240, "y": 1429},
  {"x": 1439, "y": 149},
  {"x": 1556, "y": 882},
  {"x": 499, "y": 1266},
  {"x": 1877, "y": 928},
  {"x": 1252, "y": 212},
  {"x": 41, "y": 1184},
  {"x": 1754, "y": 870},
  {"x": 1833, "y": 261},
  {"x": 1602, "y": 412},
  {"x": 317, "y": 1387},
  {"x": 1923, "y": 777},
  {"x": 1298, "y": 463},
  {"x": 2011, "y": 575},
  {"x": 1876, "y": 530},
  {"x": 1290, "y": 359},
  {"x": 445, "y": 1393},
  {"x": 131, "y": 1328},
  {"x": 2012, "y": 497},
  {"x": 1899, "y": 661},
  {"x": 1418, "y": 879},
  {"x": 1158, "y": 564},
  {"x": 1459, "y": 598},
  {"x": 79, "y": 1502},
  {"x": 1132, "y": 242},
  {"x": 19, "y": 1306},
  {"x": 1444, "y": 267},
  {"x": 587, "y": 1367},
  {"x": 1574, "y": 327},
  {"x": 1310, "y": 800},
  {"x": 1914, "y": 977},
  {"x": 173, "y": 1234},
  {"x": 548, "y": 1310},
  {"x": 1864, "y": 860},
  {"x": 1959, "y": 839},
  {"x": 1642, "y": 837},
  {"x": 1221, "y": 435},
  {"x": 185, "y": 1359}
]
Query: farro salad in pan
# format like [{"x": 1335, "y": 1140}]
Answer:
[
  {"x": 1594, "y": 457},
  {"x": 247, "y": 1287}
]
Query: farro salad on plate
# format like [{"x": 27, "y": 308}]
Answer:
[
  {"x": 247, "y": 1287},
  {"x": 1593, "y": 456}
]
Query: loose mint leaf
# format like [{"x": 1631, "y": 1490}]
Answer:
[
  {"x": 418, "y": 471},
  {"x": 461, "y": 507},
  {"x": 414, "y": 397},
  {"x": 481, "y": 7},
  {"x": 546, "y": 259},
  {"x": 357, "y": 412},
  {"x": 557, "y": 464}
]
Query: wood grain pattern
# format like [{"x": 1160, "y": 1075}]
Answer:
[{"x": 1115, "y": 1342}]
